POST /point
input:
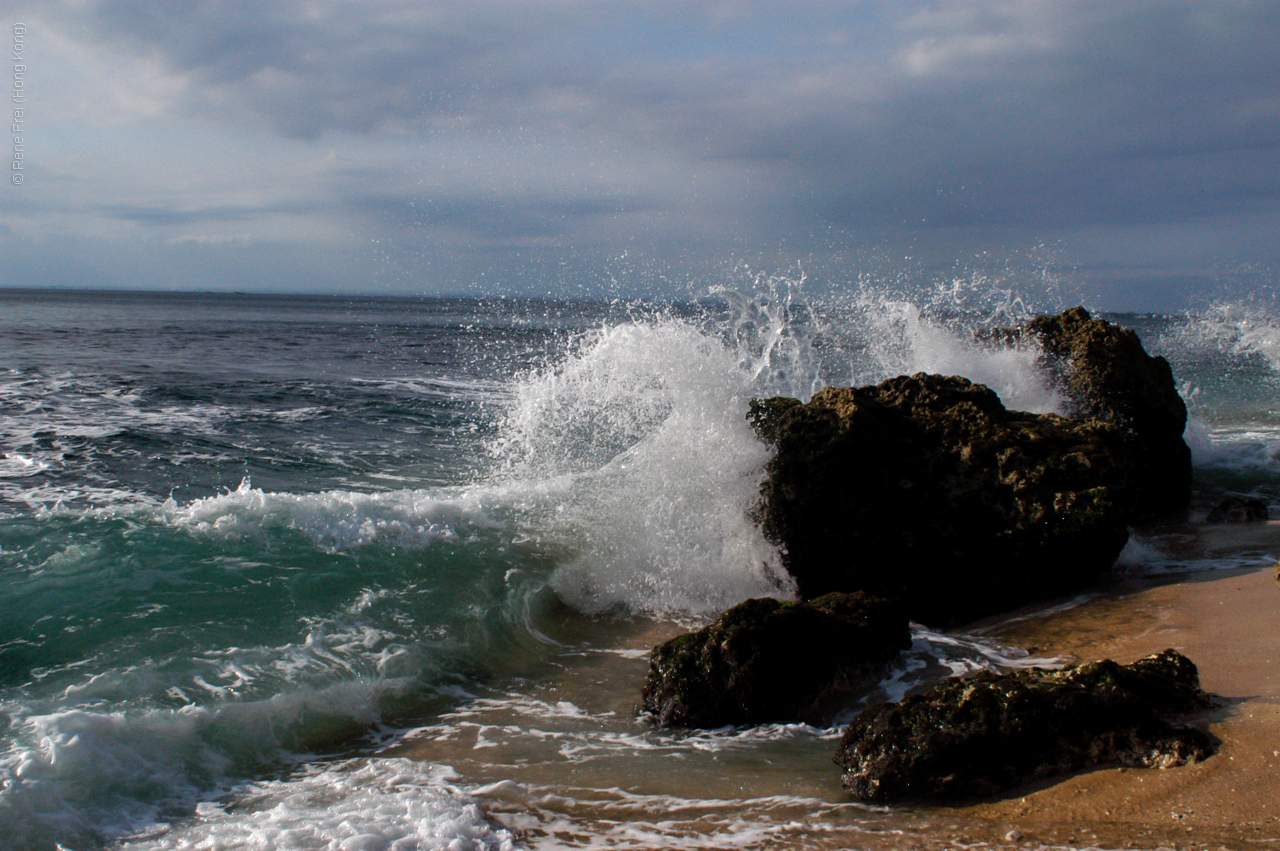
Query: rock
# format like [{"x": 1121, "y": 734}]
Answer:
[
  {"x": 1239, "y": 509},
  {"x": 765, "y": 660},
  {"x": 925, "y": 489},
  {"x": 1106, "y": 373},
  {"x": 986, "y": 733},
  {"x": 765, "y": 415}
]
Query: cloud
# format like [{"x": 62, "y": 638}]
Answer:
[
  {"x": 210, "y": 239},
  {"x": 677, "y": 128},
  {"x": 306, "y": 68},
  {"x": 168, "y": 216}
]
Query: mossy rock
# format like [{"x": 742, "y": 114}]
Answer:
[
  {"x": 1106, "y": 374},
  {"x": 926, "y": 489},
  {"x": 981, "y": 735},
  {"x": 765, "y": 660}
]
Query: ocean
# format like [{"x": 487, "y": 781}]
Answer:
[{"x": 381, "y": 574}]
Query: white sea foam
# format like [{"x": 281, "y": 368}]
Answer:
[
  {"x": 774, "y": 332},
  {"x": 620, "y": 819},
  {"x": 358, "y": 805},
  {"x": 644, "y": 429},
  {"x": 903, "y": 338},
  {"x": 92, "y": 751},
  {"x": 85, "y": 774},
  {"x": 15, "y": 465},
  {"x": 335, "y": 520},
  {"x": 65, "y": 405},
  {"x": 1246, "y": 450},
  {"x": 1153, "y": 553},
  {"x": 1242, "y": 328},
  {"x": 54, "y": 424}
]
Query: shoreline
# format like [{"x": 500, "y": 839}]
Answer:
[{"x": 1226, "y": 620}]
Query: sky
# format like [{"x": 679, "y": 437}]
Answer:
[{"x": 1127, "y": 151}]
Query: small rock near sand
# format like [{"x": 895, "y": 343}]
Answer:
[
  {"x": 980, "y": 735},
  {"x": 766, "y": 660}
]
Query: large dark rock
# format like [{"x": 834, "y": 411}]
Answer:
[
  {"x": 765, "y": 660},
  {"x": 1105, "y": 373},
  {"x": 927, "y": 490},
  {"x": 987, "y": 733}
]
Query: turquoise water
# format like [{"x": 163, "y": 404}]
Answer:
[{"x": 247, "y": 542}]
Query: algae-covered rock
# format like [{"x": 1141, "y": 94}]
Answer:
[
  {"x": 927, "y": 490},
  {"x": 986, "y": 733},
  {"x": 1106, "y": 373},
  {"x": 765, "y": 660}
]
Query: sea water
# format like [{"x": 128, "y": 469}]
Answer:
[{"x": 293, "y": 572}]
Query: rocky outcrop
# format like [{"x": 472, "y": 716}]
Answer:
[
  {"x": 925, "y": 489},
  {"x": 1105, "y": 373},
  {"x": 1239, "y": 509},
  {"x": 987, "y": 733},
  {"x": 765, "y": 660}
]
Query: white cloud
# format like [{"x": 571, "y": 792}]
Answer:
[{"x": 968, "y": 37}]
